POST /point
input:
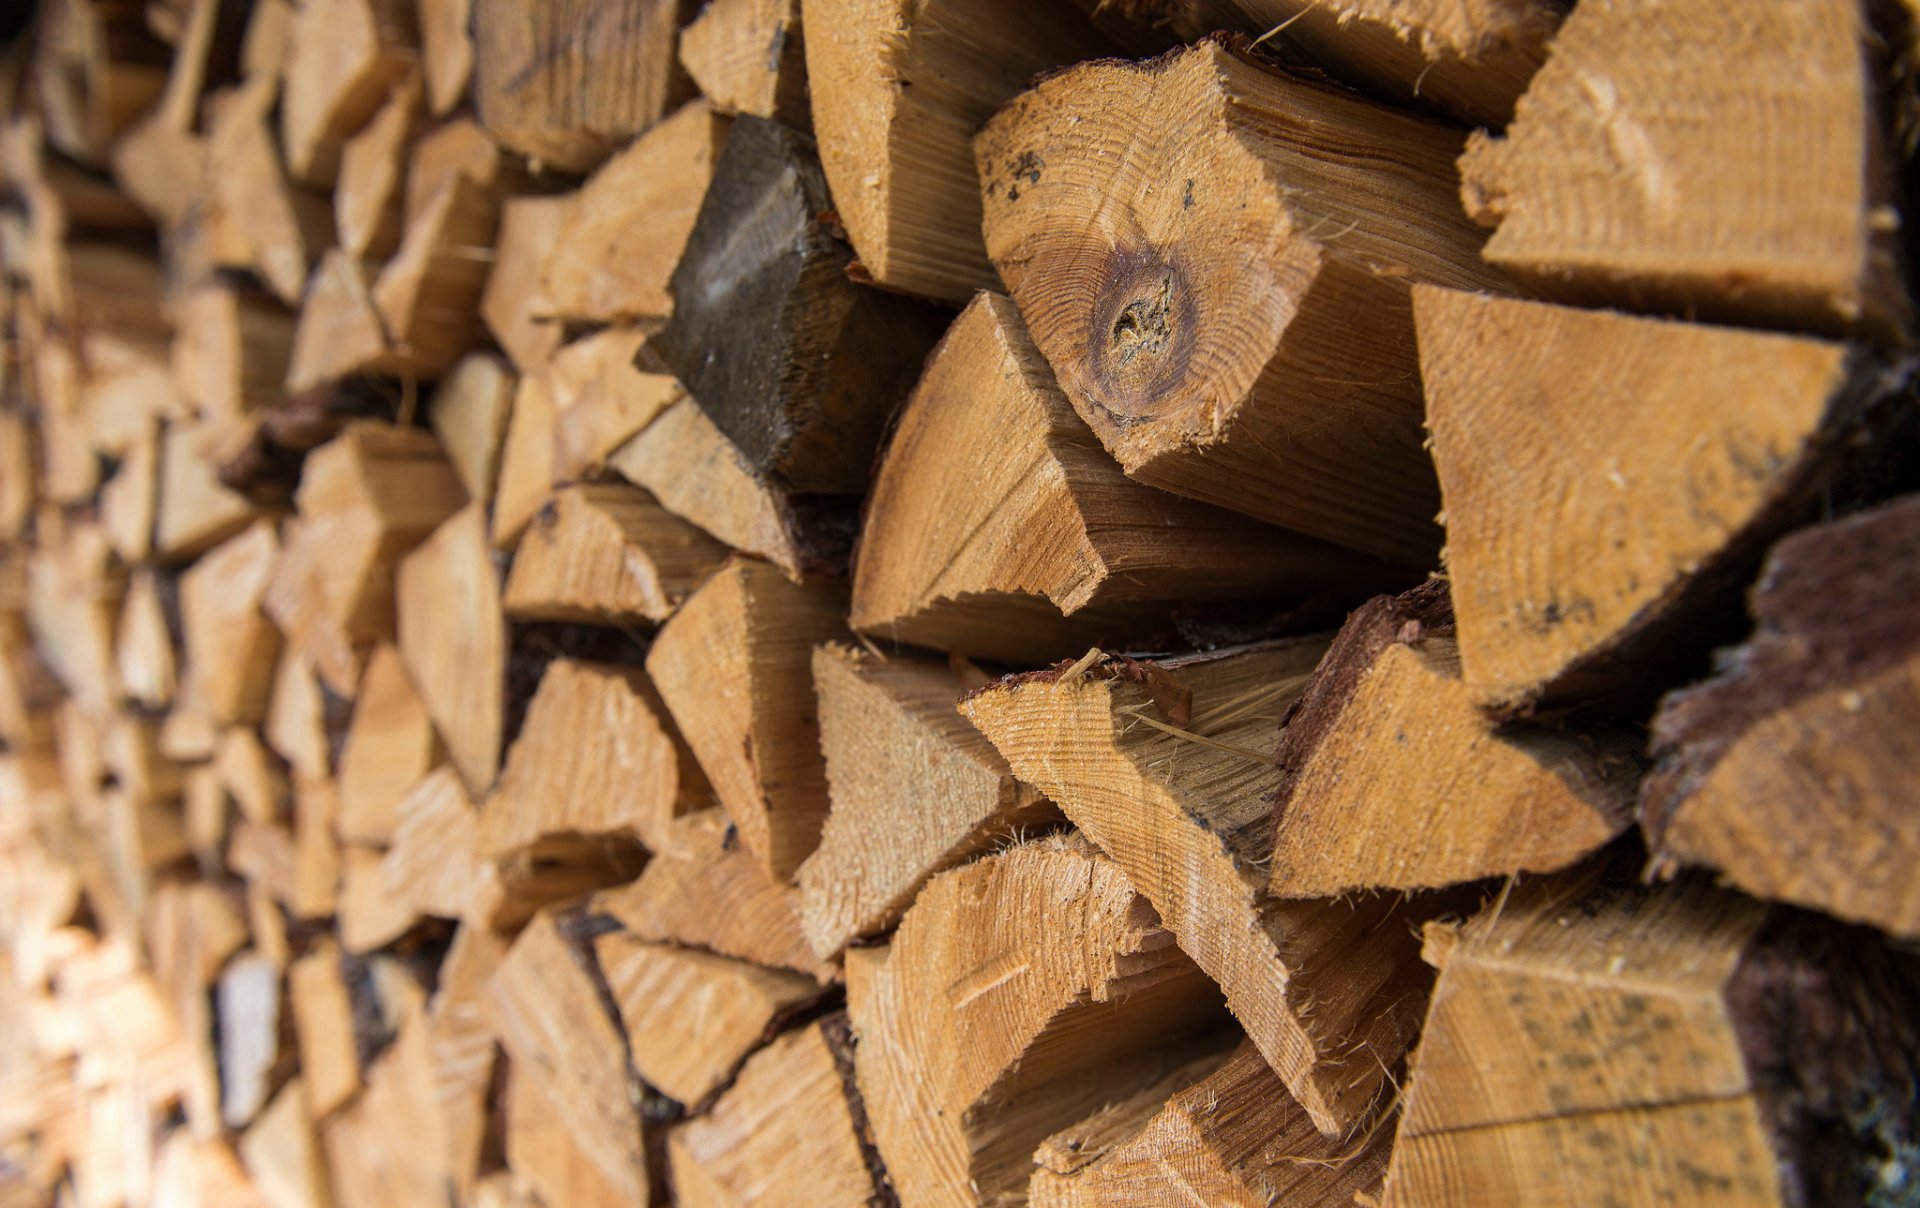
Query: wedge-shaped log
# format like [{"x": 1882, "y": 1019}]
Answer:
[
  {"x": 229, "y": 646},
  {"x": 1021, "y": 993},
  {"x": 462, "y": 1053},
  {"x": 1758, "y": 196},
  {"x": 796, "y": 362},
  {"x": 282, "y": 1153},
  {"x": 344, "y": 58},
  {"x": 897, "y": 91},
  {"x": 606, "y": 553},
  {"x": 365, "y": 498},
  {"x": 273, "y": 225},
  {"x": 1168, "y": 767},
  {"x": 692, "y": 1017},
  {"x": 340, "y": 333},
  {"x": 702, "y": 889},
  {"x": 1219, "y": 1133},
  {"x": 600, "y": 398},
  {"x": 1594, "y": 1041},
  {"x": 390, "y": 745},
  {"x": 696, "y": 473},
  {"x": 453, "y": 641},
  {"x": 230, "y": 351},
  {"x": 1298, "y": 401},
  {"x": 528, "y": 228},
  {"x": 1593, "y": 518},
  {"x": 735, "y": 667},
  {"x": 1467, "y": 58},
  {"x": 748, "y": 56},
  {"x": 544, "y": 1004},
  {"x": 1049, "y": 531},
  {"x": 596, "y": 762},
  {"x": 790, "y": 1129},
  {"x": 96, "y": 69},
  {"x": 1391, "y": 778},
  {"x": 142, "y": 651},
  {"x": 1817, "y": 706},
  {"x": 891, "y": 734},
  {"x": 373, "y": 170},
  {"x": 565, "y": 83},
  {"x": 435, "y": 865},
  {"x": 428, "y": 295},
  {"x": 469, "y": 412},
  {"x": 626, "y": 227}
]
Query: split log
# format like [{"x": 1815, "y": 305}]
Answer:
[
  {"x": 1714, "y": 192},
  {"x": 435, "y": 865},
  {"x": 248, "y": 778},
  {"x": 607, "y": 553},
  {"x": 692, "y": 1017},
  {"x": 324, "y": 1021},
  {"x": 344, "y": 58},
  {"x": 459, "y": 148},
  {"x": 544, "y": 1003},
  {"x": 1051, "y": 531},
  {"x": 298, "y": 725},
  {"x": 749, "y": 56},
  {"x": 1816, "y": 706},
  {"x": 365, "y": 498},
  {"x": 1593, "y": 1041},
  {"x": 734, "y": 665},
  {"x": 702, "y": 889},
  {"x": 275, "y": 226},
  {"x": 596, "y": 764},
  {"x": 529, "y": 227},
  {"x": 791, "y": 1129},
  {"x": 696, "y": 473},
  {"x": 1470, "y": 59},
  {"x": 1330, "y": 991},
  {"x": 282, "y": 1154},
  {"x": 453, "y": 641},
  {"x": 71, "y": 598},
  {"x": 527, "y": 461},
  {"x": 390, "y": 745},
  {"x": 373, "y": 167},
  {"x": 600, "y": 399},
  {"x": 312, "y": 891},
  {"x": 897, "y": 93},
  {"x": 545, "y": 1155},
  {"x": 469, "y": 411},
  {"x": 96, "y": 69},
  {"x": 1391, "y": 778},
  {"x": 1009, "y": 1006},
  {"x": 196, "y": 512},
  {"x": 462, "y": 1054},
  {"x": 142, "y": 647},
  {"x": 229, "y": 645},
  {"x": 129, "y": 499},
  {"x": 1318, "y": 209},
  {"x": 231, "y": 350},
  {"x": 1224, "y": 1133},
  {"x": 803, "y": 396},
  {"x": 446, "y": 52},
  {"x": 626, "y": 227},
  {"x": 565, "y": 83},
  {"x": 247, "y": 1001},
  {"x": 340, "y": 332},
  {"x": 263, "y": 51},
  {"x": 890, "y": 733},
  {"x": 428, "y": 295},
  {"x": 1662, "y": 493}
]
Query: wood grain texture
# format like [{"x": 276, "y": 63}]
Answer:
[
  {"x": 452, "y": 639},
  {"x": 607, "y": 553},
  {"x": 1298, "y": 402}
]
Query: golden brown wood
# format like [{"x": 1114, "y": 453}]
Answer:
[
  {"x": 340, "y": 332},
  {"x": 791, "y": 1129},
  {"x": 1391, "y": 778},
  {"x": 195, "y": 512},
  {"x": 526, "y": 462},
  {"x": 96, "y": 69},
  {"x": 626, "y": 226},
  {"x": 898, "y": 90},
  {"x": 344, "y": 58},
  {"x": 1051, "y": 531},
  {"x": 1300, "y": 403},
  {"x": 469, "y": 411},
  {"x": 564, "y": 83},
  {"x": 446, "y": 52},
  {"x": 1216, "y": 1133},
  {"x": 597, "y": 766},
  {"x": 366, "y": 200},
  {"x": 390, "y": 745},
  {"x": 748, "y": 56},
  {"x": 544, "y": 1005},
  {"x": 281, "y": 1155},
  {"x": 275, "y": 226},
  {"x": 323, "y": 1019},
  {"x": 1591, "y": 516},
  {"x": 296, "y": 722},
  {"x": 734, "y": 666},
  {"x": 607, "y": 553},
  {"x": 231, "y": 350},
  {"x": 1591, "y": 1040},
  {"x": 600, "y": 399},
  {"x": 142, "y": 648},
  {"x": 435, "y": 865},
  {"x": 1329, "y": 991},
  {"x": 1736, "y": 197},
  {"x": 692, "y": 1017},
  {"x": 229, "y": 645},
  {"x": 427, "y": 295},
  {"x": 890, "y": 734},
  {"x": 528, "y": 228},
  {"x": 703, "y": 889},
  {"x": 453, "y": 641},
  {"x": 1010, "y": 1005}
]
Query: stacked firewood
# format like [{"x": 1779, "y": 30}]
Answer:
[{"x": 967, "y": 602}]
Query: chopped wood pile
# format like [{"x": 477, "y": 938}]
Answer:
[{"x": 1094, "y": 603}]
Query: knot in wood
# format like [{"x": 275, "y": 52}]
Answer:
[{"x": 1142, "y": 325}]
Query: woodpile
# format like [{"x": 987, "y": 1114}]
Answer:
[{"x": 1095, "y": 603}]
